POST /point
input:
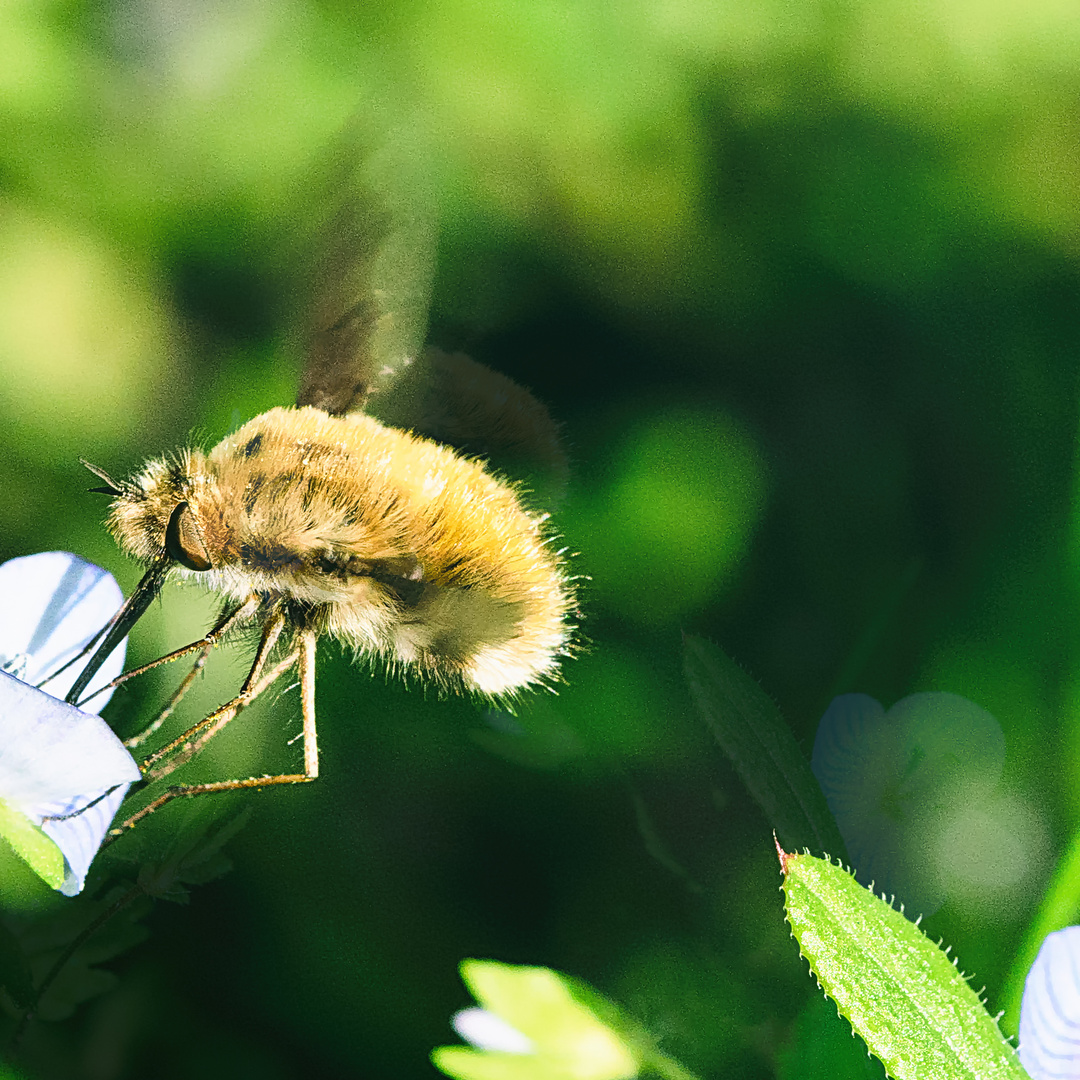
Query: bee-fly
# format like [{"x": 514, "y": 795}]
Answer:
[{"x": 320, "y": 520}]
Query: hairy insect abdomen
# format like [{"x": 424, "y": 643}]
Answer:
[{"x": 406, "y": 549}]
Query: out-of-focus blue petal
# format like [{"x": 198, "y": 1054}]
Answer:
[
  {"x": 948, "y": 741},
  {"x": 857, "y": 760},
  {"x": 893, "y": 779},
  {"x": 486, "y": 1031},
  {"x": 1050, "y": 1011},
  {"x": 56, "y": 761},
  {"x": 50, "y": 751},
  {"x": 844, "y": 758},
  {"x": 54, "y": 603}
]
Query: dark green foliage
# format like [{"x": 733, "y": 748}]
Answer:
[
  {"x": 15, "y": 976},
  {"x": 750, "y": 730},
  {"x": 823, "y": 1045},
  {"x": 799, "y": 281}
]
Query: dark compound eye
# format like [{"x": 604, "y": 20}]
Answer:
[{"x": 182, "y": 540}]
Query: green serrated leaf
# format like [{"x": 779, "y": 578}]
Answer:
[
  {"x": 898, "y": 989},
  {"x": 32, "y": 846},
  {"x": 752, "y": 732}
]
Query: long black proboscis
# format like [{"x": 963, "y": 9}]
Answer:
[{"x": 121, "y": 623}]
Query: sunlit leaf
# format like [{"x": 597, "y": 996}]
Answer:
[
  {"x": 899, "y": 990},
  {"x": 536, "y": 1024}
]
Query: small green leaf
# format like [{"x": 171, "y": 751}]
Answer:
[
  {"x": 754, "y": 735},
  {"x": 575, "y": 1032},
  {"x": 463, "y": 1063},
  {"x": 194, "y": 858},
  {"x": 898, "y": 989},
  {"x": 32, "y": 846},
  {"x": 88, "y": 933},
  {"x": 540, "y": 1005}
]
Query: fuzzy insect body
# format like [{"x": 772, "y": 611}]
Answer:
[
  {"x": 392, "y": 543},
  {"x": 320, "y": 520}
]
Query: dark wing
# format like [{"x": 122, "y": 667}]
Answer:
[
  {"x": 369, "y": 290},
  {"x": 370, "y": 279},
  {"x": 451, "y": 398}
]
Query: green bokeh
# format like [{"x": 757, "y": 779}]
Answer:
[
  {"x": 800, "y": 282},
  {"x": 675, "y": 517}
]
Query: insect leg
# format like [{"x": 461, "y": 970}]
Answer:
[
  {"x": 304, "y": 658},
  {"x": 204, "y": 644},
  {"x": 271, "y": 677},
  {"x": 226, "y": 623},
  {"x": 307, "y": 699},
  {"x": 185, "y": 746},
  {"x": 170, "y": 705}
]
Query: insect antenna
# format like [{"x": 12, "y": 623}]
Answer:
[{"x": 112, "y": 487}]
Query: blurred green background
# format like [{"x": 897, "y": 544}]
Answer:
[{"x": 802, "y": 283}]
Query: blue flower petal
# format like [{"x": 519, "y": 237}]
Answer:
[
  {"x": 77, "y": 827},
  {"x": 50, "y": 751},
  {"x": 56, "y": 761},
  {"x": 54, "y": 603},
  {"x": 1050, "y": 1012},
  {"x": 894, "y": 780}
]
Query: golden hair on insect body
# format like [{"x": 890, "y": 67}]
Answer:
[
  {"x": 310, "y": 524},
  {"x": 392, "y": 543}
]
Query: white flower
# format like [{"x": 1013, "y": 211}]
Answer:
[
  {"x": 486, "y": 1031},
  {"x": 62, "y": 769},
  {"x": 1050, "y": 1011}
]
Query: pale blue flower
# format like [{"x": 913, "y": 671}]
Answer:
[
  {"x": 1050, "y": 1011},
  {"x": 61, "y": 768},
  {"x": 902, "y": 785}
]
